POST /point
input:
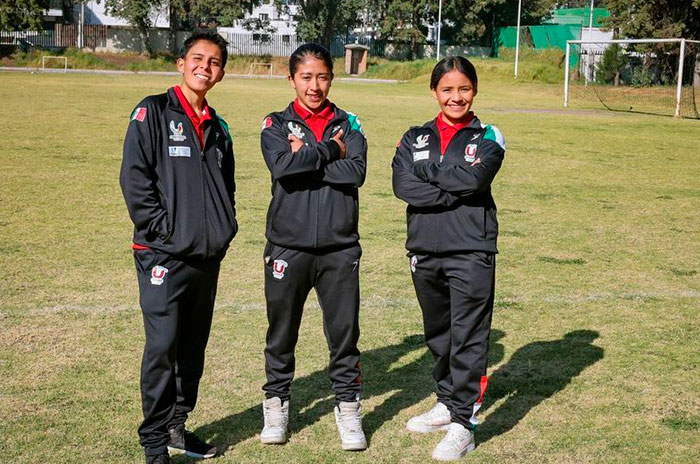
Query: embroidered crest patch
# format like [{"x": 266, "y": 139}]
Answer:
[
  {"x": 177, "y": 131},
  {"x": 279, "y": 267},
  {"x": 158, "y": 275}
]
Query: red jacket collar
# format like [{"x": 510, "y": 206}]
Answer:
[
  {"x": 444, "y": 125},
  {"x": 206, "y": 112},
  {"x": 326, "y": 113}
]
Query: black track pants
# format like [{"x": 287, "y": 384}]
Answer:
[
  {"x": 289, "y": 276},
  {"x": 177, "y": 307},
  {"x": 455, "y": 294}
]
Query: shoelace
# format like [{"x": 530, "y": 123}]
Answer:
[
  {"x": 454, "y": 437},
  {"x": 275, "y": 417},
  {"x": 351, "y": 420},
  {"x": 436, "y": 411}
]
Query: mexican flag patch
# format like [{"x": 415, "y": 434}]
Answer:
[{"x": 139, "y": 114}]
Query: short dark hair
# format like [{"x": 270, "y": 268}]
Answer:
[
  {"x": 312, "y": 49},
  {"x": 209, "y": 36},
  {"x": 450, "y": 63}
]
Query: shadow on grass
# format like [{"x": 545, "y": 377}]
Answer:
[
  {"x": 383, "y": 371},
  {"x": 535, "y": 372}
]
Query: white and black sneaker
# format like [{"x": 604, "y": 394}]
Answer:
[
  {"x": 348, "y": 418},
  {"x": 276, "y": 417},
  {"x": 436, "y": 419},
  {"x": 457, "y": 442},
  {"x": 184, "y": 441}
]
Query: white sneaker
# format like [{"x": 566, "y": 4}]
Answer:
[
  {"x": 436, "y": 419},
  {"x": 458, "y": 442},
  {"x": 348, "y": 418},
  {"x": 276, "y": 415}
]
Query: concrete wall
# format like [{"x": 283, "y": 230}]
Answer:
[
  {"x": 95, "y": 14},
  {"x": 120, "y": 39}
]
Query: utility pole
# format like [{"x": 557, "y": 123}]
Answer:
[
  {"x": 439, "y": 26},
  {"x": 517, "y": 38},
  {"x": 589, "y": 68},
  {"x": 80, "y": 25}
]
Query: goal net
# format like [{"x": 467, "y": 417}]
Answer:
[{"x": 654, "y": 76}]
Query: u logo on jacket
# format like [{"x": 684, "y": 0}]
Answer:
[{"x": 279, "y": 266}]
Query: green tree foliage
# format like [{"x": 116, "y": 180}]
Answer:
[
  {"x": 187, "y": 14},
  {"x": 475, "y": 20},
  {"x": 16, "y": 15},
  {"x": 321, "y": 20},
  {"x": 407, "y": 21},
  {"x": 655, "y": 19},
  {"x": 210, "y": 13},
  {"x": 138, "y": 14},
  {"x": 611, "y": 65},
  {"x": 463, "y": 21}
]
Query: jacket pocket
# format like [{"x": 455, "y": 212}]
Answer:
[
  {"x": 145, "y": 260},
  {"x": 271, "y": 253}
]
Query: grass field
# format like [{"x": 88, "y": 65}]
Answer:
[{"x": 595, "y": 353}]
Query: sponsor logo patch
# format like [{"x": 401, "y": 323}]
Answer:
[
  {"x": 421, "y": 155},
  {"x": 295, "y": 130},
  {"x": 139, "y": 114},
  {"x": 414, "y": 261},
  {"x": 179, "y": 152},
  {"x": 158, "y": 275},
  {"x": 267, "y": 122},
  {"x": 355, "y": 264},
  {"x": 421, "y": 141},
  {"x": 279, "y": 267},
  {"x": 474, "y": 137},
  {"x": 177, "y": 131},
  {"x": 470, "y": 153}
]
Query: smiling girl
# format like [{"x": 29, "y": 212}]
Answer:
[
  {"x": 317, "y": 156},
  {"x": 444, "y": 170}
]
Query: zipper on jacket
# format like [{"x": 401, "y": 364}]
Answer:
[
  {"x": 311, "y": 140},
  {"x": 202, "y": 159}
]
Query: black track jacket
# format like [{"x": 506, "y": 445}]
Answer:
[
  {"x": 450, "y": 207},
  {"x": 314, "y": 194},
  {"x": 180, "y": 197}
]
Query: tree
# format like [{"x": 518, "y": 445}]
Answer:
[
  {"x": 611, "y": 65},
  {"x": 655, "y": 19},
  {"x": 190, "y": 14},
  {"x": 183, "y": 13},
  {"x": 476, "y": 20},
  {"x": 138, "y": 13},
  {"x": 407, "y": 21},
  {"x": 321, "y": 20},
  {"x": 18, "y": 15}
]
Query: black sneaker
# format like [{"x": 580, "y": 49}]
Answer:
[
  {"x": 183, "y": 441},
  {"x": 158, "y": 459}
]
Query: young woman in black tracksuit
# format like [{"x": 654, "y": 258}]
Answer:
[
  {"x": 444, "y": 170},
  {"x": 317, "y": 155}
]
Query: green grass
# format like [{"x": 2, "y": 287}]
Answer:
[{"x": 594, "y": 354}]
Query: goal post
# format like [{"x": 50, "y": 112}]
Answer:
[
  {"x": 254, "y": 66},
  {"x": 657, "y": 76},
  {"x": 44, "y": 58}
]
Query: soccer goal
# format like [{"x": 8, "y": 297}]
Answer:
[
  {"x": 655, "y": 76},
  {"x": 255, "y": 66},
  {"x": 47, "y": 58}
]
